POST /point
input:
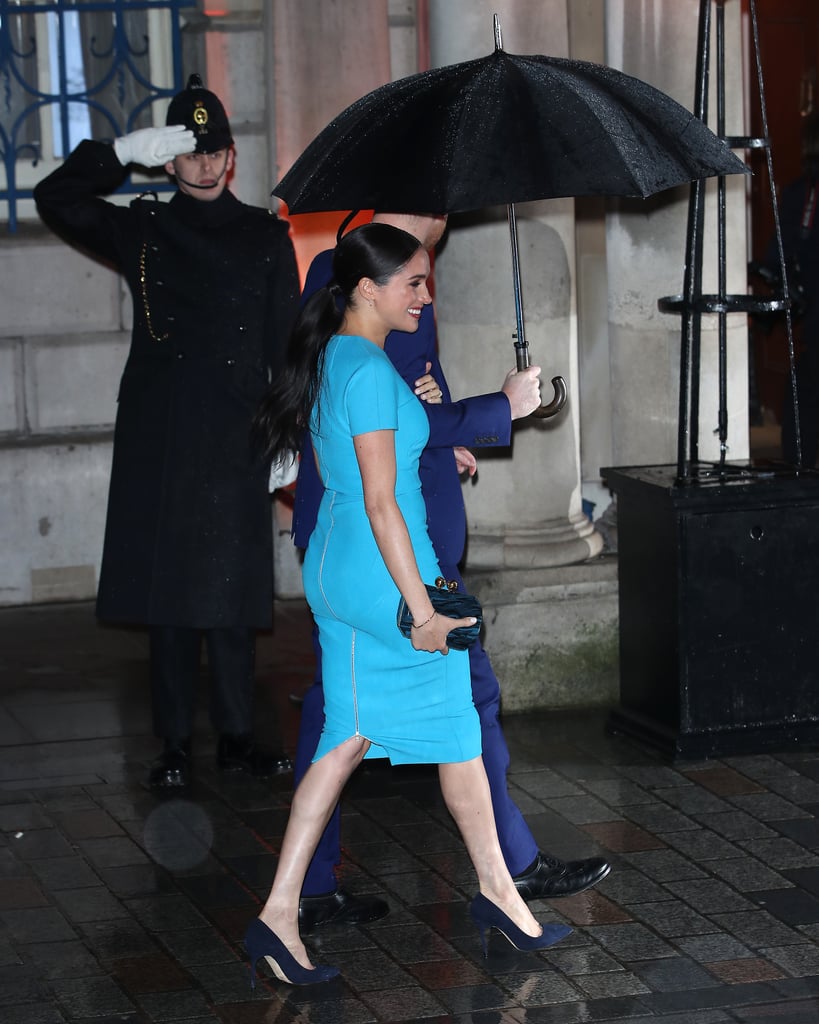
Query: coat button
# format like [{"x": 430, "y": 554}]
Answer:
[
  {"x": 231, "y": 362},
  {"x": 180, "y": 355},
  {"x": 242, "y": 328}
]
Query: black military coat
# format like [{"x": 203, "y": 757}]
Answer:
[{"x": 188, "y": 539}]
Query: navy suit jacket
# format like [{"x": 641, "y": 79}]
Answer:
[{"x": 476, "y": 422}]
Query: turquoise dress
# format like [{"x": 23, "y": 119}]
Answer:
[{"x": 414, "y": 707}]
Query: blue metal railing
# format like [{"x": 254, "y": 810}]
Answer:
[{"x": 112, "y": 70}]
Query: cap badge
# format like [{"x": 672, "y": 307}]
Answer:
[{"x": 200, "y": 114}]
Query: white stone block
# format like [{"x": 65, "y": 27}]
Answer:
[
  {"x": 72, "y": 382},
  {"x": 53, "y": 502},
  {"x": 45, "y": 285},
  {"x": 11, "y": 376}
]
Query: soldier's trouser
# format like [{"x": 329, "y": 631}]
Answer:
[{"x": 175, "y": 670}]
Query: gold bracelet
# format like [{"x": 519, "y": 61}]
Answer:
[{"x": 420, "y": 624}]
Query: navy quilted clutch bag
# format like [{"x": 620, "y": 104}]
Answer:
[{"x": 447, "y": 601}]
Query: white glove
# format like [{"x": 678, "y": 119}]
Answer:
[
  {"x": 153, "y": 147},
  {"x": 283, "y": 471}
]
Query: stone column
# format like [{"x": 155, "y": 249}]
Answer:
[
  {"x": 525, "y": 510},
  {"x": 646, "y": 251},
  {"x": 551, "y": 622}
]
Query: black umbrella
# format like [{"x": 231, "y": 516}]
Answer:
[{"x": 503, "y": 129}]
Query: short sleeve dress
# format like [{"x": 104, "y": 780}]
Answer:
[{"x": 413, "y": 706}]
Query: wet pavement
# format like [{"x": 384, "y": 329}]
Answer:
[{"x": 119, "y": 906}]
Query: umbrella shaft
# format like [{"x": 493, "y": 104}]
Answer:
[{"x": 521, "y": 347}]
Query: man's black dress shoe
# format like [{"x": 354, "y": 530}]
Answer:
[
  {"x": 171, "y": 771},
  {"x": 339, "y": 907},
  {"x": 547, "y": 876},
  {"x": 240, "y": 754}
]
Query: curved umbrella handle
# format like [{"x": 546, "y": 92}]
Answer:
[
  {"x": 556, "y": 404},
  {"x": 561, "y": 392}
]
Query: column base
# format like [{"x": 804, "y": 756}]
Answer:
[{"x": 552, "y": 634}]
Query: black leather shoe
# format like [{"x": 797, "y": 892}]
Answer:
[
  {"x": 240, "y": 754},
  {"x": 172, "y": 770},
  {"x": 548, "y": 877},
  {"x": 339, "y": 907}
]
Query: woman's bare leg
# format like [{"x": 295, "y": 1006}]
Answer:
[
  {"x": 466, "y": 791},
  {"x": 313, "y": 803}
]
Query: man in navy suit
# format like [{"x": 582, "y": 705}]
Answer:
[{"x": 455, "y": 427}]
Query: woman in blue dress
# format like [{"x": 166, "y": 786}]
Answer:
[{"x": 386, "y": 696}]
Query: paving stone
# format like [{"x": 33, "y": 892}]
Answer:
[
  {"x": 700, "y": 845},
  {"x": 619, "y": 792},
  {"x": 798, "y": 961},
  {"x": 43, "y": 924},
  {"x": 672, "y": 918},
  {"x": 623, "y": 837},
  {"x": 33, "y": 1013},
  {"x": 20, "y": 892},
  {"x": 676, "y": 975},
  {"x": 693, "y": 800},
  {"x": 629, "y": 886},
  {"x": 709, "y": 896},
  {"x": 713, "y": 947},
  {"x": 35, "y": 844},
  {"x": 112, "y": 852},
  {"x": 166, "y": 913},
  {"x": 70, "y": 959},
  {"x": 96, "y": 904},
  {"x": 609, "y": 986},
  {"x": 742, "y": 972},
  {"x": 781, "y": 853},
  {"x": 580, "y": 810},
  {"x": 91, "y": 997},
  {"x": 747, "y": 874},
  {"x": 659, "y": 817},
  {"x": 736, "y": 825},
  {"x": 57, "y": 873},
  {"x": 630, "y": 942},
  {"x": 758, "y": 928},
  {"x": 769, "y": 807},
  {"x": 664, "y": 865},
  {"x": 23, "y": 817},
  {"x": 172, "y": 1005},
  {"x": 722, "y": 780},
  {"x": 585, "y": 960}
]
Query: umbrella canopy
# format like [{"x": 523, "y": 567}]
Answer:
[{"x": 503, "y": 129}]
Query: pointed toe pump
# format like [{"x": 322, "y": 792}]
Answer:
[
  {"x": 262, "y": 943},
  {"x": 487, "y": 916}
]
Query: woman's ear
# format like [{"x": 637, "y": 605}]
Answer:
[{"x": 366, "y": 289}]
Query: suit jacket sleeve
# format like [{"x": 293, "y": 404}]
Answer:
[{"x": 479, "y": 422}]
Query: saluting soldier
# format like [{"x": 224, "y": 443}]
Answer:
[{"x": 188, "y": 539}]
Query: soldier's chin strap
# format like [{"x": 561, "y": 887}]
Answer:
[{"x": 205, "y": 188}]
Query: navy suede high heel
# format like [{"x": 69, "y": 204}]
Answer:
[
  {"x": 261, "y": 942},
  {"x": 486, "y": 916}
]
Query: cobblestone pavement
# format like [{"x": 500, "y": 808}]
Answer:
[{"x": 117, "y": 906}]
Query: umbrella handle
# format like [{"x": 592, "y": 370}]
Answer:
[
  {"x": 558, "y": 383},
  {"x": 556, "y": 404}
]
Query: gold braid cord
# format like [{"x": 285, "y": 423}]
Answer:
[{"x": 143, "y": 282}]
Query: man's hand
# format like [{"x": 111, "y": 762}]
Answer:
[
  {"x": 426, "y": 388},
  {"x": 522, "y": 388},
  {"x": 465, "y": 461},
  {"x": 153, "y": 147}
]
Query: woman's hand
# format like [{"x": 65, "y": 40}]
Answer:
[
  {"x": 431, "y": 635},
  {"x": 465, "y": 461},
  {"x": 427, "y": 389}
]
